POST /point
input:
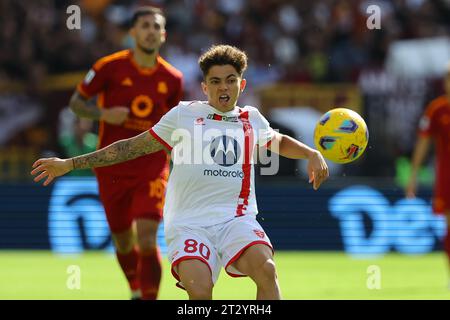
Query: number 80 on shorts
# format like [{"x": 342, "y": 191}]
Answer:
[{"x": 191, "y": 246}]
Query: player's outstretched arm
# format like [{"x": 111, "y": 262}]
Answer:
[
  {"x": 119, "y": 151},
  {"x": 289, "y": 147}
]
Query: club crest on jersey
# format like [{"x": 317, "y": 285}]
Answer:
[
  {"x": 200, "y": 121},
  {"x": 218, "y": 117},
  {"x": 162, "y": 87},
  {"x": 225, "y": 151},
  {"x": 259, "y": 233}
]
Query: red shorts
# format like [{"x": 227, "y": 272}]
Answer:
[
  {"x": 441, "y": 205},
  {"x": 128, "y": 198},
  {"x": 441, "y": 197}
]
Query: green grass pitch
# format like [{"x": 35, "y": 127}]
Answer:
[{"x": 302, "y": 275}]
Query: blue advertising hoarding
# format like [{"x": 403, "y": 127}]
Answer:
[{"x": 68, "y": 217}]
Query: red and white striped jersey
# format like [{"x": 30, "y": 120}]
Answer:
[{"x": 212, "y": 179}]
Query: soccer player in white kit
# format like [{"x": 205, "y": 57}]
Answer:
[{"x": 210, "y": 209}]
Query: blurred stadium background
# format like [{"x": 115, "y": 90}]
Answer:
[{"x": 306, "y": 57}]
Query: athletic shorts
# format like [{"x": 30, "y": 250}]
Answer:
[
  {"x": 217, "y": 246},
  {"x": 126, "y": 199},
  {"x": 441, "y": 205}
]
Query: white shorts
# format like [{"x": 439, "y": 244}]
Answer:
[{"x": 216, "y": 246}]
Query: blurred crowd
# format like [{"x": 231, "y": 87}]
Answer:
[{"x": 318, "y": 41}]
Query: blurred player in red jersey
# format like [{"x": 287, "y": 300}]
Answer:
[
  {"x": 134, "y": 89},
  {"x": 435, "y": 125}
]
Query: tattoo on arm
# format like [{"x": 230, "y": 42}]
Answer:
[
  {"x": 82, "y": 108},
  {"x": 119, "y": 151}
]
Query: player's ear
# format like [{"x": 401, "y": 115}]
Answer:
[
  {"x": 163, "y": 36},
  {"x": 132, "y": 32},
  {"x": 204, "y": 87},
  {"x": 243, "y": 84}
]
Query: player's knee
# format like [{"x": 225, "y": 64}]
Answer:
[
  {"x": 267, "y": 273},
  {"x": 123, "y": 245},
  {"x": 199, "y": 291},
  {"x": 147, "y": 243}
]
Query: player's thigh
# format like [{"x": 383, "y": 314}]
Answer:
[
  {"x": 195, "y": 276},
  {"x": 253, "y": 259},
  {"x": 116, "y": 200},
  {"x": 148, "y": 198},
  {"x": 186, "y": 245},
  {"x": 237, "y": 238}
]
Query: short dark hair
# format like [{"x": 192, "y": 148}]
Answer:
[
  {"x": 219, "y": 55},
  {"x": 143, "y": 11}
]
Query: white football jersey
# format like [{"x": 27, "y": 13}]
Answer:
[{"x": 212, "y": 179}]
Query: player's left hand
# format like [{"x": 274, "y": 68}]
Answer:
[
  {"x": 317, "y": 169},
  {"x": 115, "y": 115}
]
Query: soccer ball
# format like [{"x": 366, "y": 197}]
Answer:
[{"x": 341, "y": 135}]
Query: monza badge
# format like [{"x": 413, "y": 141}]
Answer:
[{"x": 259, "y": 233}]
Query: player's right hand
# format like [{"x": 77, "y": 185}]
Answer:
[
  {"x": 115, "y": 115},
  {"x": 317, "y": 169},
  {"x": 51, "y": 168}
]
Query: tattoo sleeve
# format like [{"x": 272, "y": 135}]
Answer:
[
  {"x": 83, "y": 108},
  {"x": 119, "y": 151}
]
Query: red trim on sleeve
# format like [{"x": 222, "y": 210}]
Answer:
[
  {"x": 238, "y": 255},
  {"x": 82, "y": 92},
  {"x": 153, "y": 133}
]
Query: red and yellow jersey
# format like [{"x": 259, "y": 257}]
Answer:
[
  {"x": 435, "y": 123},
  {"x": 149, "y": 93}
]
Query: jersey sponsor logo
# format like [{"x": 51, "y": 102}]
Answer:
[
  {"x": 89, "y": 76},
  {"x": 225, "y": 151},
  {"x": 218, "y": 117},
  {"x": 224, "y": 173},
  {"x": 142, "y": 106},
  {"x": 127, "y": 82}
]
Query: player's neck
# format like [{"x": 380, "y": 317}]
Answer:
[
  {"x": 222, "y": 109},
  {"x": 143, "y": 59}
]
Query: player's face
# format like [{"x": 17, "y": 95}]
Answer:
[
  {"x": 222, "y": 86},
  {"x": 149, "y": 33}
]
